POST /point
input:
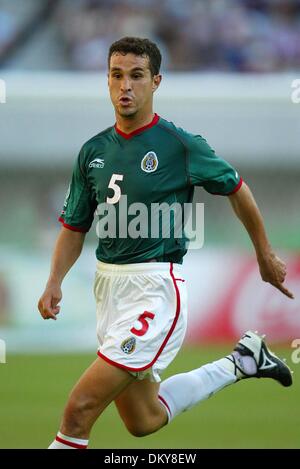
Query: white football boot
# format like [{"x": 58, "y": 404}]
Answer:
[{"x": 268, "y": 365}]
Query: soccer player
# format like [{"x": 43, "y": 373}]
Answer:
[{"x": 139, "y": 289}]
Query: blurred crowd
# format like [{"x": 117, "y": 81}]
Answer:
[
  {"x": 230, "y": 35},
  {"x": 238, "y": 35}
]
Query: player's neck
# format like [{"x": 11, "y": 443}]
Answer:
[{"x": 130, "y": 124}]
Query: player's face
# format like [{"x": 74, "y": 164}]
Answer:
[{"x": 131, "y": 84}]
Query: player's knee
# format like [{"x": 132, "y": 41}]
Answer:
[
  {"x": 78, "y": 410},
  {"x": 140, "y": 429}
]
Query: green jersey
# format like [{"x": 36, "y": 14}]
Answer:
[{"x": 159, "y": 163}]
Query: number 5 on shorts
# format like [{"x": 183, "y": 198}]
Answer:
[{"x": 145, "y": 325}]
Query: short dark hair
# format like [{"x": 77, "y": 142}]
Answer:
[{"x": 138, "y": 46}]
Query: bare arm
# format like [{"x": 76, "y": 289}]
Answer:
[
  {"x": 67, "y": 250},
  {"x": 272, "y": 269}
]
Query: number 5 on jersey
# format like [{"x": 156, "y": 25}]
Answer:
[
  {"x": 145, "y": 325},
  {"x": 114, "y": 186}
]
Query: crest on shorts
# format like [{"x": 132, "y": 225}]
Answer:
[
  {"x": 128, "y": 345},
  {"x": 150, "y": 162}
]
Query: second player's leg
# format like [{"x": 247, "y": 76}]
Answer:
[
  {"x": 96, "y": 389},
  {"x": 140, "y": 408}
]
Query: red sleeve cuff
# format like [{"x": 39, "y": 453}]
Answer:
[
  {"x": 238, "y": 186},
  {"x": 72, "y": 228}
]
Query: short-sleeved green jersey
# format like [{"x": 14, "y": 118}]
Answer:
[{"x": 159, "y": 163}]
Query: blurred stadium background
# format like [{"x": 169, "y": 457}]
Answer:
[{"x": 228, "y": 71}]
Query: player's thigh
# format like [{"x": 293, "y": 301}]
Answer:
[
  {"x": 100, "y": 384},
  {"x": 139, "y": 403}
]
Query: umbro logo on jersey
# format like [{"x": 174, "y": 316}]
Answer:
[
  {"x": 150, "y": 162},
  {"x": 97, "y": 163}
]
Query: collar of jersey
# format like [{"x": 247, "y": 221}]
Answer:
[{"x": 138, "y": 131}]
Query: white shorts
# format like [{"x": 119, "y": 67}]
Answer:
[{"x": 141, "y": 315}]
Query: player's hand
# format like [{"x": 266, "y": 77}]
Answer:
[
  {"x": 273, "y": 270},
  {"x": 48, "y": 303}
]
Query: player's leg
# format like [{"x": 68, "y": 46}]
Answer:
[
  {"x": 251, "y": 358},
  {"x": 97, "y": 387},
  {"x": 141, "y": 404},
  {"x": 145, "y": 407},
  {"x": 140, "y": 408}
]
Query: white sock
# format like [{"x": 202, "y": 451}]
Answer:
[
  {"x": 67, "y": 442},
  {"x": 181, "y": 392},
  {"x": 243, "y": 366}
]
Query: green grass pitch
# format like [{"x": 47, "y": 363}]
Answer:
[{"x": 251, "y": 414}]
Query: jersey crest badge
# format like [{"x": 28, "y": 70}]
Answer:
[
  {"x": 128, "y": 345},
  {"x": 150, "y": 162},
  {"x": 97, "y": 163}
]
